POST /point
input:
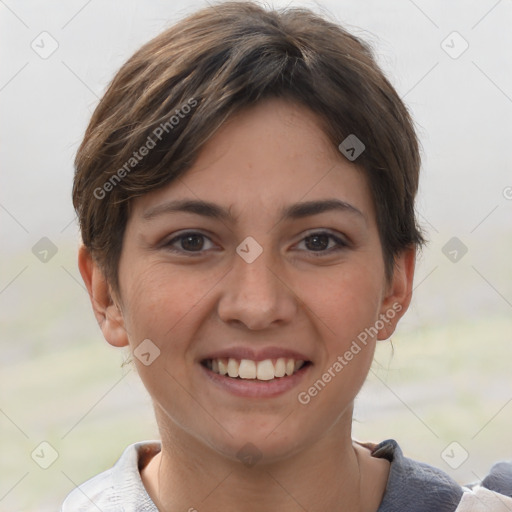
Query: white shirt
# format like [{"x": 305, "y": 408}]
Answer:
[{"x": 412, "y": 486}]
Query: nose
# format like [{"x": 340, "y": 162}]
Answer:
[{"x": 255, "y": 295}]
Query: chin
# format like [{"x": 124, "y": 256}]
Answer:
[{"x": 254, "y": 441}]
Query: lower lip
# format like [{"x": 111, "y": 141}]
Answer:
[{"x": 249, "y": 388}]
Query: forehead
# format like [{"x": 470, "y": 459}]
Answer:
[{"x": 265, "y": 157}]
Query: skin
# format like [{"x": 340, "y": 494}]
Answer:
[{"x": 292, "y": 296}]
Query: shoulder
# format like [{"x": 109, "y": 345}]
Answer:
[
  {"x": 415, "y": 486},
  {"x": 98, "y": 492},
  {"x": 494, "y": 492},
  {"x": 418, "y": 487},
  {"x": 500, "y": 478},
  {"x": 120, "y": 488}
]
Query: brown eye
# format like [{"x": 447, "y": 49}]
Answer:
[
  {"x": 190, "y": 242},
  {"x": 322, "y": 243},
  {"x": 318, "y": 242}
]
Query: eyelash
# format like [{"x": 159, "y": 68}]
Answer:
[{"x": 340, "y": 243}]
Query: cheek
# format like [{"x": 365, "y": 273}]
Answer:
[
  {"x": 160, "y": 301},
  {"x": 348, "y": 306},
  {"x": 347, "y": 300}
]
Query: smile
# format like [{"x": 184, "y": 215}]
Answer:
[{"x": 247, "y": 369}]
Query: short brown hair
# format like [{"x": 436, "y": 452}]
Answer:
[{"x": 176, "y": 91}]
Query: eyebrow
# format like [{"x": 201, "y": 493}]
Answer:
[{"x": 212, "y": 210}]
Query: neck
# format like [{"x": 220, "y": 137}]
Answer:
[{"x": 329, "y": 475}]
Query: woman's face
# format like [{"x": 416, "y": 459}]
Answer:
[{"x": 265, "y": 251}]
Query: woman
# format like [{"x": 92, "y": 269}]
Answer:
[{"x": 246, "y": 191}]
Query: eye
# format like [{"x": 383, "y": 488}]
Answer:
[
  {"x": 189, "y": 242},
  {"x": 322, "y": 242}
]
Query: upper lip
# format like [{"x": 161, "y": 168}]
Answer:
[{"x": 255, "y": 355}]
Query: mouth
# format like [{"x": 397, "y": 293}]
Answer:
[{"x": 248, "y": 369}]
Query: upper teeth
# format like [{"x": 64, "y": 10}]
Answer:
[{"x": 267, "y": 369}]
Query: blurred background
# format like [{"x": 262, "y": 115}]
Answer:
[{"x": 442, "y": 387}]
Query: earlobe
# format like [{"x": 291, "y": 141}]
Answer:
[
  {"x": 108, "y": 314},
  {"x": 399, "y": 293}
]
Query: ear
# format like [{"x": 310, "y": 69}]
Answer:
[
  {"x": 398, "y": 294},
  {"x": 107, "y": 312}
]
